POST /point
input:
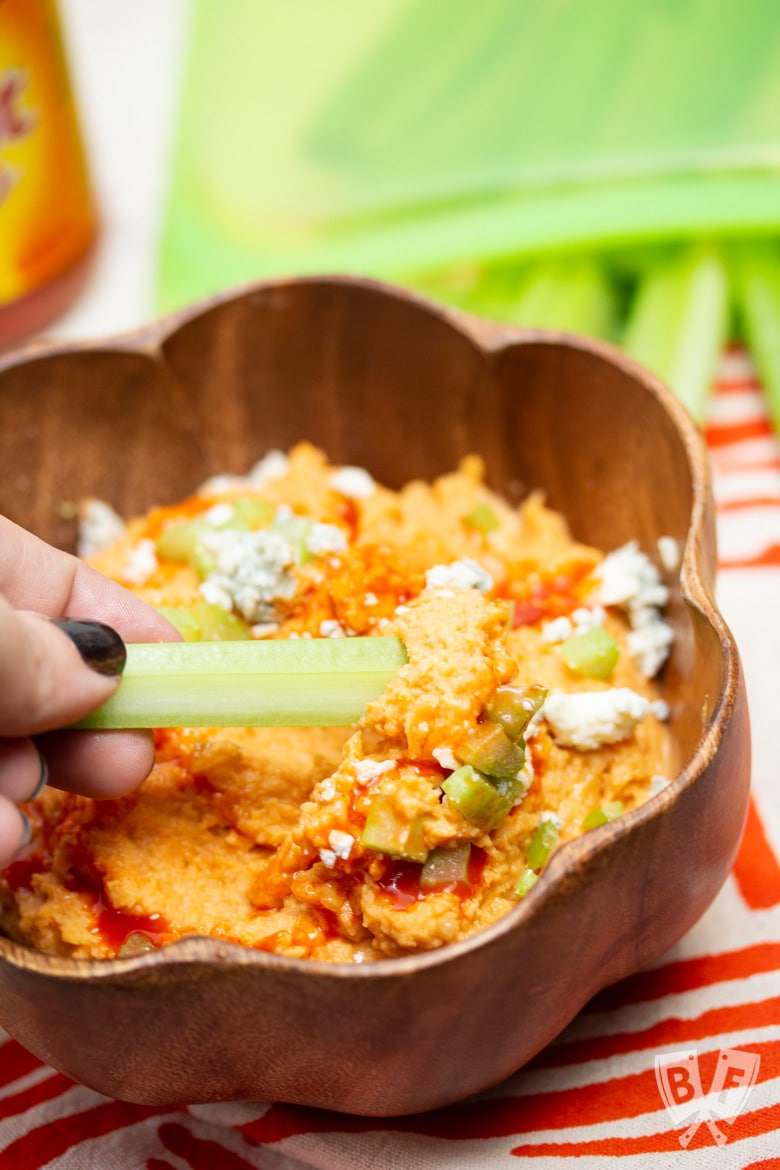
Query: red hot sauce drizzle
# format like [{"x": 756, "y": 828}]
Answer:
[
  {"x": 113, "y": 926},
  {"x": 400, "y": 883},
  {"x": 547, "y": 596}
]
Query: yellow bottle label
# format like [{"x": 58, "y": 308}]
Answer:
[{"x": 46, "y": 213}]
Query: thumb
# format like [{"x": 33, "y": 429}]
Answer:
[{"x": 53, "y": 672}]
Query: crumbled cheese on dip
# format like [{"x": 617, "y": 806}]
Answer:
[
  {"x": 368, "y": 770},
  {"x": 325, "y": 790},
  {"x": 581, "y": 620},
  {"x": 99, "y": 527},
  {"x": 341, "y": 843},
  {"x": 586, "y": 618},
  {"x": 628, "y": 577},
  {"x": 587, "y": 720},
  {"x": 446, "y": 758},
  {"x": 332, "y": 628},
  {"x": 340, "y": 847},
  {"x": 141, "y": 563},
  {"x": 272, "y": 466},
  {"x": 253, "y": 572},
  {"x": 463, "y": 574},
  {"x": 353, "y": 482},
  {"x": 649, "y": 642},
  {"x": 629, "y": 580},
  {"x": 219, "y": 515},
  {"x": 326, "y": 538},
  {"x": 557, "y": 630}
]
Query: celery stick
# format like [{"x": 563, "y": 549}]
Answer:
[
  {"x": 570, "y": 293},
  {"x": 301, "y": 682},
  {"x": 757, "y": 271},
  {"x": 678, "y": 323}
]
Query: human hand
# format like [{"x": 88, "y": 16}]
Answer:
[{"x": 53, "y": 672}]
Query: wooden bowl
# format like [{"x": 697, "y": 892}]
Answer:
[{"x": 381, "y": 378}]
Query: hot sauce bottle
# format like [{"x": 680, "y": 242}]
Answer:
[{"x": 47, "y": 215}]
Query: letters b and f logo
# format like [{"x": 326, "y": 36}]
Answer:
[{"x": 679, "y": 1082}]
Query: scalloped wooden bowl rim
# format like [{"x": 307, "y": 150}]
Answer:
[{"x": 488, "y": 337}]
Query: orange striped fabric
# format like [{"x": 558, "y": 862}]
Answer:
[{"x": 593, "y": 1098}]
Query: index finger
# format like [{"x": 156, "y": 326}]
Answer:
[
  {"x": 35, "y": 576},
  {"x": 45, "y": 682}
]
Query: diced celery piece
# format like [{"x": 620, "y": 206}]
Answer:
[
  {"x": 489, "y": 749},
  {"x": 483, "y": 518},
  {"x": 482, "y": 804},
  {"x": 184, "y": 541},
  {"x": 183, "y": 620},
  {"x": 592, "y": 653},
  {"x": 204, "y": 622},
  {"x": 135, "y": 944},
  {"x": 202, "y": 560},
  {"x": 445, "y": 867},
  {"x": 526, "y": 881},
  {"x": 250, "y": 513},
  {"x": 542, "y": 843},
  {"x": 601, "y": 816},
  {"x": 296, "y": 531},
  {"x": 514, "y": 707},
  {"x": 178, "y": 542},
  {"x": 388, "y": 832},
  {"x": 217, "y": 625}
]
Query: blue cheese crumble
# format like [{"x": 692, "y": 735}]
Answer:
[
  {"x": 354, "y": 483},
  {"x": 141, "y": 563},
  {"x": 340, "y": 847},
  {"x": 272, "y": 466},
  {"x": 586, "y": 720},
  {"x": 99, "y": 527},
  {"x": 253, "y": 572},
  {"x": 628, "y": 580},
  {"x": 462, "y": 574},
  {"x": 325, "y": 538},
  {"x": 367, "y": 771}
]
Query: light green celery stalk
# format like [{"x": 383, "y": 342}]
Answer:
[
  {"x": 678, "y": 322},
  {"x": 574, "y": 294},
  {"x": 300, "y": 682},
  {"x": 756, "y": 267}
]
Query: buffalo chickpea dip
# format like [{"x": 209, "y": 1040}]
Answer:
[{"x": 527, "y": 714}]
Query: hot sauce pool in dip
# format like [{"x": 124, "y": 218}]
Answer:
[{"x": 526, "y": 714}]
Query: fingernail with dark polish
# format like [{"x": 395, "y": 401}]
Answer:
[
  {"x": 26, "y": 830},
  {"x": 43, "y": 779},
  {"x": 99, "y": 645}
]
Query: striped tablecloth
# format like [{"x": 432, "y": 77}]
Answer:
[{"x": 594, "y": 1097}]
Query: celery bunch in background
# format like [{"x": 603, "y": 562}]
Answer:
[
  {"x": 673, "y": 307},
  {"x": 585, "y": 166},
  {"x": 757, "y": 277}
]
